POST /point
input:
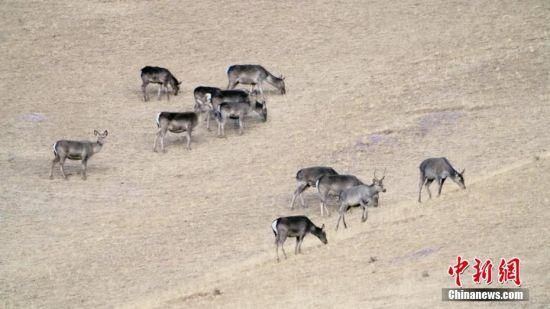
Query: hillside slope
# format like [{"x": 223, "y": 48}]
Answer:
[{"x": 370, "y": 84}]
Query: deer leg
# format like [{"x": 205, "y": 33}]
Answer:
[
  {"x": 61, "y": 164},
  {"x": 365, "y": 212},
  {"x": 84, "y": 166},
  {"x": 341, "y": 216},
  {"x": 144, "y": 90},
  {"x": 167, "y": 92},
  {"x": 297, "y": 243},
  {"x": 441, "y": 181},
  {"x": 207, "y": 118},
  {"x": 54, "y": 161},
  {"x": 241, "y": 124},
  {"x": 428, "y": 183},
  {"x": 322, "y": 208},
  {"x": 160, "y": 90},
  {"x": 421, "y": 184},
  {"x": 300, "y": 244},
  {"x": 189, "y": 139},
  {"x": 326, "y": 208},
  {"x": 260, "y": 86},
  {"x": 282, "y": 244},
  {"x": 344, "y": 217},
  {"x": 232, "y": 84},
  {"x": 301, "y": 187},
  {"x": 277, "y": 247},
  {"x": 156, "y": 138},
  {"x": 163, "y": 135}
]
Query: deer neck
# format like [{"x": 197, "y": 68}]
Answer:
[
  {"x": 272, "y": 79},
  {"x": 315, "y": 231},
  {"x": 96, "y": 147}
]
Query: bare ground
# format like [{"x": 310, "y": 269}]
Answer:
[{"x": 371, "y": 84}]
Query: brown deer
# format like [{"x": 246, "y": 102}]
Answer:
[{"x": 77, "y": 150}]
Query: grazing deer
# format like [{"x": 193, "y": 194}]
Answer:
[
  {"x": 76, "y": 150},
  {"x": 175, "y": 123},
  {"x": 238, "y": 110},
  {"x": 160, "y": 76},
  {"x": 334, "y": 185},
  {"x": 295, "y": 226},
  {"x": 361, "y": 195},
  {"x": 307, "y": 177},
  {"x": 254, "y": 75},
  {"x": 438, "y": 169}
]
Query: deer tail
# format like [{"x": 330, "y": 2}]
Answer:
[
  {"x": 274, "y": 226},
  {"x": 158, "y": 120}
]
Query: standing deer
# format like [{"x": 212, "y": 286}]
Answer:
[
  {"x": 203, "y": 96},
  {"x": 238, "y": 110},
  {"x": 361, "y": 195},
  {"x": 76, "y": 150},
  {"x": 295, "y": 226},
  {"x": 307, "y": 177},
  {"x": 438, "y": 169},
  {"x": 254, "y": 75},
  {"x": 175, "y": 123},
  {"x": 157, "y": 75}
]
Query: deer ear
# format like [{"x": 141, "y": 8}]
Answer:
[
  {"x": 463, "y": 170},
  {"x": 96, "y": 133},
  {"x": 105, "y": 133},
  {"x": 323, "y": 226},
  {"x": 179, "y": 83}
]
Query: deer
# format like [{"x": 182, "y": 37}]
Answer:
[
  {"x": 295, "y": 226},
  {"x": 175, "y": 123},
  {"x": 254, "y": 75},
  {"x": 307, "y": 177},
  {"x": 438, "y": 169},
  {"x": 157, "y": 75},
  {"x": 334, "y": 185},
  {"x": 203, "y": 96},
  {"x": 361, "y": 195},
  {"x": 76, "y": 150},
  {"x": 207, "y": 100},
  {"x": 238, "y": 110}
]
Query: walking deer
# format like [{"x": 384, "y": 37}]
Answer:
[
  {"x": 295, "y": 226},
  {"x": 328, "y": 185},
  {"x": 157, "y": 75},
  {"x": 438, "y": 169},
  {"x": 361, "y": 195},
  {"x": 76, "y": 150}
]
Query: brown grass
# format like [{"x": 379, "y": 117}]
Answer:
[{"x": 371, "y": 84}]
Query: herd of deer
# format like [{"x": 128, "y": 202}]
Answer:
[{"x": 236, "y": 104}]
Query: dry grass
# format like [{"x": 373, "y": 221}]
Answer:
[{"x": 370, "y": 85}]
